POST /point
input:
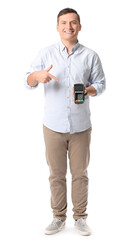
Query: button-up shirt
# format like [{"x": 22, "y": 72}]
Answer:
[{"x": 82, "y": 65}]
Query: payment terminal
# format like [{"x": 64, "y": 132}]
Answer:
[{"x": 79, "y": 93}]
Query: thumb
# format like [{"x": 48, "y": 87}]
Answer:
[{"x": 49, "y": 68}]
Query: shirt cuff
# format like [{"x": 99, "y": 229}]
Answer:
[
  {"x": 99, "y": 88},
  {"x": 26, "y": 83}
]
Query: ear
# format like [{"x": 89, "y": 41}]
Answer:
[{"x": 80, "y": 27}]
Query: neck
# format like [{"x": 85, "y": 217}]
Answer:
[{"x": 69, "y": 44}]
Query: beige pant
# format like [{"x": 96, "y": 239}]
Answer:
[{"x": 78, "y": 147}]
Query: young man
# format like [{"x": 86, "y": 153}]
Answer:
[{"x": 66, "y": 125}]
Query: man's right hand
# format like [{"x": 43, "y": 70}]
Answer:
[
  {"x": 44, "y": 76},
  {"x": 40, "y": 76}
]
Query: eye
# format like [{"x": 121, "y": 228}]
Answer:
[{"x": 74, "y": 22}]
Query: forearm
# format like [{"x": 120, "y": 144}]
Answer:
[
  {"x": 32, "y": 79},
  {"x": 91, "y": 91}
]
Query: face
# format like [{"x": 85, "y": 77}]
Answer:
[{"x": 68, "y": 27}]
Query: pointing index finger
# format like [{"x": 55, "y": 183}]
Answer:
[{"x": 51, "y": 76}]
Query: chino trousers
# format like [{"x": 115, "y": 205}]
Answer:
[{"x": 77, "y": 145}]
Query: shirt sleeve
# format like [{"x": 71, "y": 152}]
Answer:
[
  {"x": 36, "y": 65},
  {"x": 97, "y": 77}
]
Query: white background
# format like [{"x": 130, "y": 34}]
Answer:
[{"x": 108, "y": 28}]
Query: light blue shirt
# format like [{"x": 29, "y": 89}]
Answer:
[{"x": 82, "y": 65}]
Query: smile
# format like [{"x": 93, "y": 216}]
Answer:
[{"x": 68, "y": 32}]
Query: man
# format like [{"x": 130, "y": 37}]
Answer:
[{"x": 66, "y": 125}]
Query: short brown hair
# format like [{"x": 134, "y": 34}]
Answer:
[{"x": 67, "y": 10}]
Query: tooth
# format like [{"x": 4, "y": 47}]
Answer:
[{"x": 68, "y": 31}]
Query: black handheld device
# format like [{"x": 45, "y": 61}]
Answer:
[{"x": 79, "y": 93}]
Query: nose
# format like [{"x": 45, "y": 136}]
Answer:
[{"x": 69, "y": 25}]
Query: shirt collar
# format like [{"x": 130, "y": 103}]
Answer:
[{"x": 62, "y": 47}]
